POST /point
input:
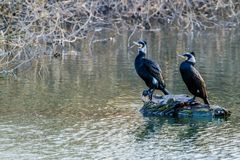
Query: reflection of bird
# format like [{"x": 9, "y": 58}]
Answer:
[
  {"x": 192, "y": 77},
  {"x": 148, "y": 70}
]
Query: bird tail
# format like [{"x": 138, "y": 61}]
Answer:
[
  {"x": 206, "y": 101},
  {"x": 165, "y": 91}
]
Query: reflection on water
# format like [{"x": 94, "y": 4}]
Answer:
[{"x": 87, "y": 106}]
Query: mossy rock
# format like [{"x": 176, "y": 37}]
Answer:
[{"x": 180, "y": 106}]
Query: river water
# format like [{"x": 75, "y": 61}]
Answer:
[{"x": 87, "y": 106}]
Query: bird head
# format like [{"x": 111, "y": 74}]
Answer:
[
  {"x": 188, "y": 56},
  {"x": 142, "y": 45}
]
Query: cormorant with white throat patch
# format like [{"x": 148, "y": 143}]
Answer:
[
  {"x": 192, "y": 77},
  {"x": 149, "y": 71}
]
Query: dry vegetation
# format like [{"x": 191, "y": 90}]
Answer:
[{"x": 25, "y": 24}]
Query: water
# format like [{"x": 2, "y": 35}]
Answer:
[{"x": 87, "y": 106}]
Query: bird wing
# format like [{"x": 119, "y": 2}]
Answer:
[
  {"x": 198, "y": 80},
  {"x": 154, "y": 69}
]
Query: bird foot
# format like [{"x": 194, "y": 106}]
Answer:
[
  {"x": 147, "y": 93},
  {"x": 207, "y": 106},
  {"x": 192, "y": 101},
  {"x": 146, "y": 96},
  {"x": 150, "y": 96}
]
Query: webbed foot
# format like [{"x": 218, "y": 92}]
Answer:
[
  {"x": 192, "y": 100},
  {"x": 148, "y": 93}
]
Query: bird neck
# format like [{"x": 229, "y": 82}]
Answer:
[
  {"x": 189, "y": 62},
  {"x": 138, "y": 59},
  {"x": 141, "y": 54},
  {"x": 143, "y": 49},
  {"x": 192, "y": 60}
]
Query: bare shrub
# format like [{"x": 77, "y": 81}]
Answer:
[{"x": 32, "y": 24}]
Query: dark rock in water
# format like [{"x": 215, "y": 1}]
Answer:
[{"x": 180, "y": 106}]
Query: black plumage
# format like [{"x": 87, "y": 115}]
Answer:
[
  {"x": 149, "y": 71},
  {"x": 192, "y": 78}
]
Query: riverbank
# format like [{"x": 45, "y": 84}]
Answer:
[{"x": 29, "y": 24}]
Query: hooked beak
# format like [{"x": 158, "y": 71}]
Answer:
[
  {"x": 136, "y": 43},
  {"x": 181, "y": 55}
]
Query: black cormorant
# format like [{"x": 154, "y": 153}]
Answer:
[
  {"x": 192, "y": 77},
  {"x": 148, "y": 70}
]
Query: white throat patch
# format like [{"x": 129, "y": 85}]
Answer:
[
  {"x": 192, "y": 59},
  {"x": 144, "y": 49}
]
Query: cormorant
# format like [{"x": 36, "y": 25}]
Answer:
[
  {"x": 192, "y": 77},
  {"x": 149, "y": 71}
]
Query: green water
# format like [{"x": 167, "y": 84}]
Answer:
[{"x": 87, "y": 106}]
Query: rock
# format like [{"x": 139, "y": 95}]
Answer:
[{"x": 180, "y": 106}]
